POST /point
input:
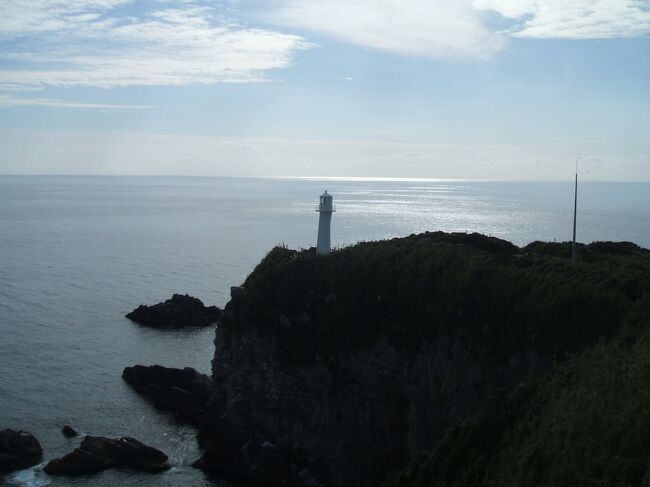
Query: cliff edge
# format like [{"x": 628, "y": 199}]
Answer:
[{"x": 340, "y": 370}]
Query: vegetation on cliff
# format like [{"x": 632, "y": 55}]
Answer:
[
  {"x": 586, "y": 423},
  {"x": 576, "y": 334},
  {"x": 433, "y": 283}
]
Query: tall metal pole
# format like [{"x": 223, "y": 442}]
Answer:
[{"x": 575, "y": 212}]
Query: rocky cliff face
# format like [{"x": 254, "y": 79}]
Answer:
[
  {"x": 357, "y": 416},
  {"x": 348, "y": 365}
]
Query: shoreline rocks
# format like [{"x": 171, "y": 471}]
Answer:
[
  {"x": 97, "y": 453},
  {"x": 183, "y": 392},
  {"x": 69, "y": 432},
  {"x": 18, "y": 450},
  {"x": 180, "y": 311},
  {"x": 253, "y": 461}
]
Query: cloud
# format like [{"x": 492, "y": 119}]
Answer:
[
  {"x": 573, "y": 19},
  {"x": 428, "y": 28},
  {"x": 93, "y": 152},
  {"x": 116, "y": 43},
  {"x": 459, "y": 28},
  {"x": 19, "y": 17},
  {"x": 507, "y": 8},
  {"x": 9, "y": 100},
  {"x": 93, "y": 43}
]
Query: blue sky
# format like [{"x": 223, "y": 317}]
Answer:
[{"x": 478, "y": 89}]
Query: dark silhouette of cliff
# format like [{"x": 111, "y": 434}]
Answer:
[{"x": 451, "y": 356}]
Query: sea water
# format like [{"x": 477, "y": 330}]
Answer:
[{"x": 77, "y": 253}]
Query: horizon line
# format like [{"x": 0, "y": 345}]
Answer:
[{"x": 326, "y": 178}]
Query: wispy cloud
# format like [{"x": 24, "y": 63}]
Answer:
[
  {"x": 13, "y": 101},
  {"x": 63, "y": 152},
  {"x": 116, "y": 43},
  {"x": 95, "y": 43},
  {"x": 458, "y": 28},
  {"x": 20, "y": 17},
  {"x": 573, "y": 19}
]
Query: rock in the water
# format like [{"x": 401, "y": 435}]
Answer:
[
  {"x": 18, "y": 450},
  {"x": 69, "y": 432},
  {"x": 97, "y": 453},
  {"x": 181, "y": 310},
  {"x": 183, "y": 392}
]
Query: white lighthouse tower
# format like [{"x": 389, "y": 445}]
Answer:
[{"x": 325, "y": 208}]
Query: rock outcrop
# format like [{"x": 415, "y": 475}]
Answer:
[
  {"x": 179, "y": 311},
  {"x": 18, "y": 450},
  {"x": 422, "y": 334},
  {"x": 69, "y": 432},
  {"x": 97, "y": 453},
  {"x": 182, "y": 392}
]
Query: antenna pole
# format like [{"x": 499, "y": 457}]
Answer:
[{"x": 575, "y": 211}]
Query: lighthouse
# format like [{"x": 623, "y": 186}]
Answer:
[{"x": 325, "y": 208}]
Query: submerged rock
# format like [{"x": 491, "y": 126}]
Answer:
[
  {"x": 183, "y": 392},
  {"x": 97, "y": 453},
  {"x": 69, "y": 432},
  {"x": 179, "y": 311},
  {"x": 18, "y": 450}
]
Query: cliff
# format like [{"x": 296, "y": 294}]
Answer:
[
  {"x": 339, "y": 370},
  {"x": 586, "y": 423}
]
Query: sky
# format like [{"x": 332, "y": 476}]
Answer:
[{"x": 451, "y": 89}]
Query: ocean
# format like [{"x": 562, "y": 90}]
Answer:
[{"x": 77, "y": 253}]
